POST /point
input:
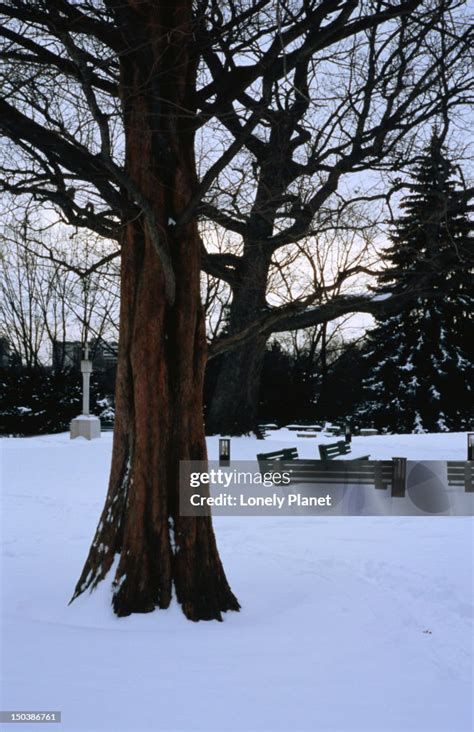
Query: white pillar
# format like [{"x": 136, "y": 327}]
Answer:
[
  {"x": 85, "y": 425},
  {"x": 86, "y": 368}
]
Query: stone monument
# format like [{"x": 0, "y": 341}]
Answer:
[{"x": 86, "y": 425}]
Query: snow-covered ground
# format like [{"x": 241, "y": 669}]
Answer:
[
  {"x": 347, "y": 624},
  {"x": 441, "y": 446}
]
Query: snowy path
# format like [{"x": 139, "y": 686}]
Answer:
[{"x": 348, "y": 624}]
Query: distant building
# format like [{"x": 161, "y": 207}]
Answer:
[
  {"x": 104, "y": 355},
  {"x": 68, "y": 355}
]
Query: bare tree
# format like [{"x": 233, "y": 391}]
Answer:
[
  {"x": 335, "y": 125},
  {"x": 215, "y": 292},
  {"x": 47, "y": 295},
  {"x": 23, "y": 286},
  {"x": 76, "y": 74}
]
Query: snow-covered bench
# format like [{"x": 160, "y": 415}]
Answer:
[
  {"x": 460, "y": 474},
  {"x": 332, "y": 450},
  {"x": 378, "y": 473},
  {"x": 334, "y": 430},
  {"x": 262, "y": 430},
  {"x": 304, "y": 427},
  {"x": 287, "y": 453}
]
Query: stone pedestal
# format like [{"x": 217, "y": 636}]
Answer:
[{"x": 85, "y": 426}]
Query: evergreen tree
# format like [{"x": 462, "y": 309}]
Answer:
[{"x": 420, "y": 361}]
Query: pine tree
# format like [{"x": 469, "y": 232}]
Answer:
[{"x": 420, "y": 361}]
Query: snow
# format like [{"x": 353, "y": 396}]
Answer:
[
  {"x": 443, "y": 446},
  {"x": 87, "y": 417},
  {"x": 347, "y": 624},
  {"x": 379, "y": 298}
]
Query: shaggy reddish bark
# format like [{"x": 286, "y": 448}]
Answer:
[{"x": 162, "y": 346}]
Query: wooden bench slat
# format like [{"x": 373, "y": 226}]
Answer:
[
  {"x": 331, "y": 450},
  {"x": 289, "y": 453},
  {"x": 460, "y": 473},
  {"x": 332, "y": 472}
]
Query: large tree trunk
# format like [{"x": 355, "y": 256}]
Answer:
[
  {"x": 234, "y": 402},
  {"x": 161, "y": 349}
]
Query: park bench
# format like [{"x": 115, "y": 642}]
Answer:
[
  {"x": 287, "y": 453},
  {"x": 263, "y": 430},
  {"x": 332, "y": 450},
  {"x": 382, "y": 474},
  {"x": 304, "y": 427},
  {"x": 335, "y": 430},
  {"x": 460, "y": 474},
  {"x": 378, "y": 473}
]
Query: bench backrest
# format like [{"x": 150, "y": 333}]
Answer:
[
  {"x": 335, "y": 430},
  {"x": 460, "y": 473},
  {"x": 290, "y": 453},
  {"x": 333, "y": 449}
]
